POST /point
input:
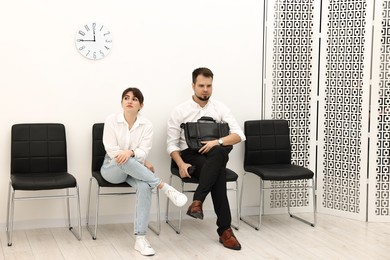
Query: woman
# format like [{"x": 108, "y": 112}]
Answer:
[{"x": 127, "y": 138}]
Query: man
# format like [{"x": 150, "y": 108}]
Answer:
[{"x": 210, "y": 161}]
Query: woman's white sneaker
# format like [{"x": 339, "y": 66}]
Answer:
[
  {"x": 178, "y": 198},
  {"x": 143, "y": 246}
]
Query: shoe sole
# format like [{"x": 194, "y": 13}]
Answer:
[
  {"x": 234, "y": 248},
  {"x": 198, "y": 215},
  {"x": 145, "y": 254}
]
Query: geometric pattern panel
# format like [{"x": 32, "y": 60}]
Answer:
[
  {"x": 291, "y": 86},
  {"x": 345, "y": 38},
  {"x": 383, "y": 135}
]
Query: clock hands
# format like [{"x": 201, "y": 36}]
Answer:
[{"x": 94, "y": 37}]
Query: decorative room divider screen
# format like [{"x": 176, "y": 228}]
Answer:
[{"x": 327, "y": 72}]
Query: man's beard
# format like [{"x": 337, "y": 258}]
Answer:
[{"x": 203, "y": 98}]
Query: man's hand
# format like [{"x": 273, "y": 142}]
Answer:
[
  {"x": 207, "y": 146},
  {"x": 183, "y": 170}
]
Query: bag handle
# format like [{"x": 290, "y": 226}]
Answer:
[
  {"x": 203, "y": 119},
  {"x": 206, "y": 119}
]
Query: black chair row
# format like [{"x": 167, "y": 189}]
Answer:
[{"x": 39, "y": 162}]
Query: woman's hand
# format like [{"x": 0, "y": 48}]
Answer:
[
  {"x": 149, "y": 166},
  {"x": 122, "y": 157}
]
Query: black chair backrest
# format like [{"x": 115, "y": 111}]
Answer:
[
  {"x": 267, "y": 142},
  {"x": 98, "y": 151},
  {"x": 38, "y": 148}
]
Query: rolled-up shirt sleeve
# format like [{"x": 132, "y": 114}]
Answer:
[
  {"x": 110, "y": 140},
  {"x": 145, "y": 144},
  {"x": 174, "y": 132},
  {"x": 228, "y": 117}
]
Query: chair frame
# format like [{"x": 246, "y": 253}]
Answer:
[
  {"x": 261, "y": 206},
  {"x": 101, "y": 193},
  {"x": 12, "y": 198},
  {"x": 177, "y": 227},
  {"x": 288, "y": 188},
  {"x": 11, "y": 203}
]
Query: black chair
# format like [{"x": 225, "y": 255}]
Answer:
[
  {"x": 39, "y": 162},
  {"x": 231, "y": 176},
  {"x": 268, "y": 155},
  {"x": 98, "y": 153}
]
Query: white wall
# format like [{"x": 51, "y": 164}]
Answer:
[{"x": 156, "y": 45}]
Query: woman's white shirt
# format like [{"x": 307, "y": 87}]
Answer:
[{"x": 117, "y": 137}]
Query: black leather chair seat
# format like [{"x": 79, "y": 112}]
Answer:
[
  {"x": 103, "y": 183},
  {"x": 279, "y": 172},
  {"x": 43, "y": 181}
]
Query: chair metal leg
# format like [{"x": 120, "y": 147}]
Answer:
[
  {"x": 180, "y": 210},
  {"x": 288, "y": 199},
  {"x": 238, "y": 205},
  {"x": 68, "y": 209},
  {"x": 237, "y": 226},
  {"x": 79, "y": 210},
  {"x": 167, "y": 208},
  {"x": 10, "y": 213},
  {"x": 313, "y": 189},
  {"x": 89, "y": 202},
  {"x": 261, "y": 196},
  {"x": 94, "y": 231},
  {"x": 241, "y": 193},
  {"x": 177, "y": 228},
  {"x": 261, "y": 201},
  {"x": 157, "y": 229},
  {"x": 77, "y": 233},
  {"x": 314, "y": 207}
]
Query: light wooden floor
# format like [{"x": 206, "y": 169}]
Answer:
[{"x": 280, "y": 237}]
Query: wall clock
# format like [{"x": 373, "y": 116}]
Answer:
[{"x": 94, "y": 41}]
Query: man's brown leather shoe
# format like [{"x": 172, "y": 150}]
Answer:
[
  {"x": 229, "y": 240},
  {"x": 195, "y": 210}
]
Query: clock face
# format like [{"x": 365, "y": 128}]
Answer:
[{"x": 94, "y": 41}]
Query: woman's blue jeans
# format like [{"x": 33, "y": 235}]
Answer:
[{"x": 141, "y": 179}]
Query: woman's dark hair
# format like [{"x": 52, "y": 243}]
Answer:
[
  {"x": 201, "y": 71},
  {"x": 136, "y": 92}
]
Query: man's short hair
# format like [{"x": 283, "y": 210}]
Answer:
[{"x": 201, "y": 71}]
